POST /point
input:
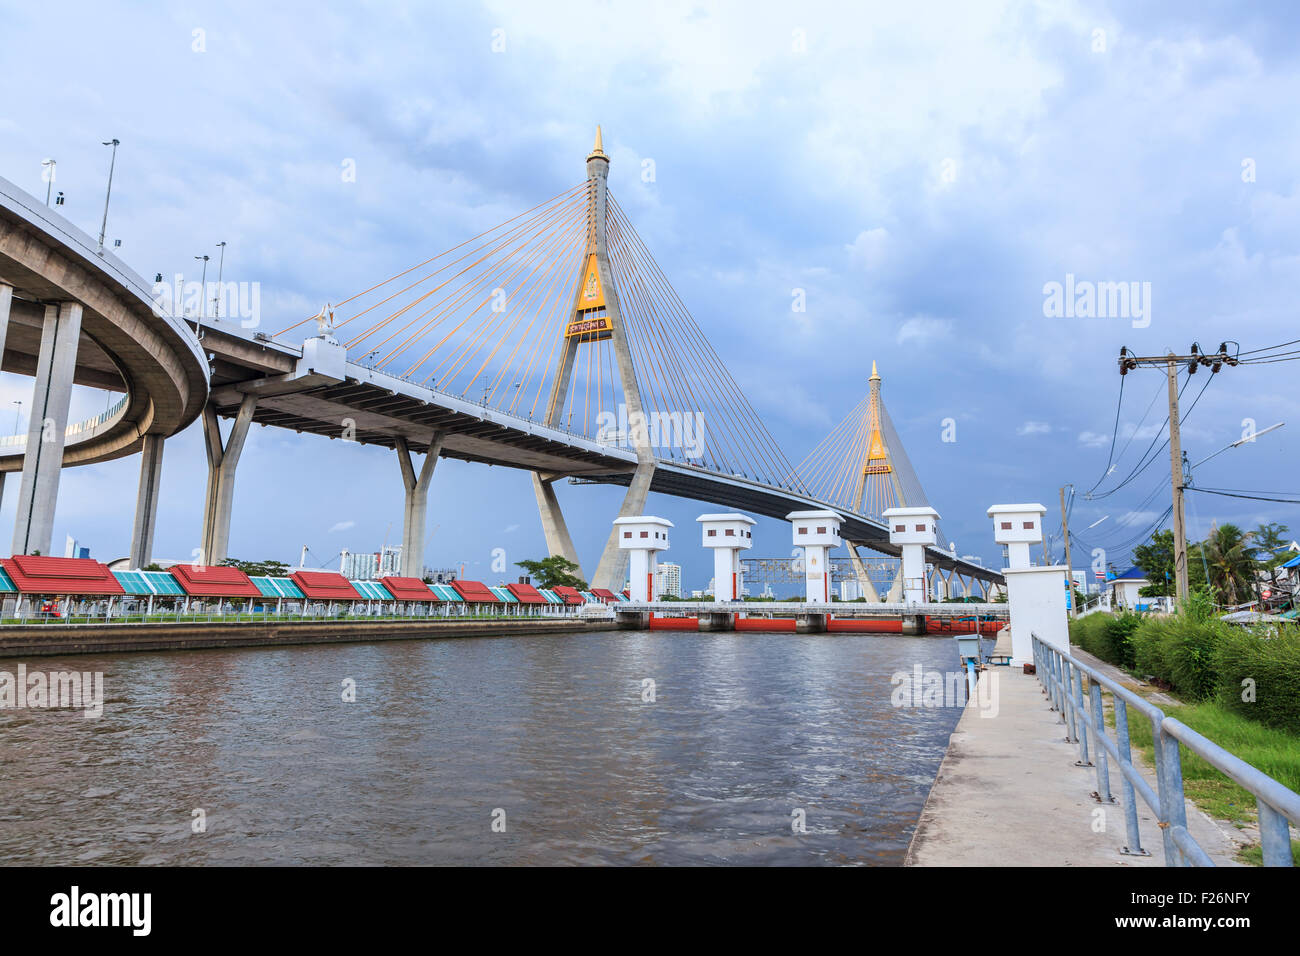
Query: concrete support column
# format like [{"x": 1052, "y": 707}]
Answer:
[
  {"x": 6, "y": 302},
  {"x": 43, "y": 457},
  {"x": 895, "y": 594},
  {"x": 416, "y": 514},
  {"x": 554, "y": 526},
  {"x": 860, "y": 572},
  {"x": 222, "y": 462},
  {"x": 146, "y": 501},
  {"x": 611, "y": 571}
]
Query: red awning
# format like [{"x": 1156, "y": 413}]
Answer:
[
  {"x": 325, "y": 586},
  {"x": 570, "y": 595},
  {"x": 40, "y": 574},
  {"x": 408, "y": 589},
  {"x": 475, "y": 592},
  {"x": 526, "y": 593},
  {"x": 218, "y": 581},
  {"x": 606, "y": 595}
]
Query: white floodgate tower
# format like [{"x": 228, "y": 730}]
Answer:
[
  {"x": 913, "y": 529},
  {"x": 642, "y": 537},
  {"x": 727, "y": 535},
  {"x": 816, "y": 532},
  {"x": 1035, "y": 596}
]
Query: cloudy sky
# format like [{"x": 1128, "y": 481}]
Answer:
[{"x": 921, "y": 170}]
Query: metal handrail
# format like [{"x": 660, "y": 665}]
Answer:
[
  {"x": 75, "y": 428},
  {"x": 1061, "y": 675}
]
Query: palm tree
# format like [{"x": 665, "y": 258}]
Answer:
[{"x": 1231, "y": 564}]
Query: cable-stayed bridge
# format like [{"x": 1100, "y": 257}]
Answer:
[{"x": 552, "y": 342}]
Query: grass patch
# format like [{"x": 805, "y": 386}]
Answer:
[
  {"x": 1253, "y": 855},
  {"x": 1275, "y": 752}
]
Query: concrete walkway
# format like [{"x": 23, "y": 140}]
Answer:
[{"x": 1008, "y": 794}]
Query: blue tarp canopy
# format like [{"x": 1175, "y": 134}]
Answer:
[
  {"x": 372, "y": 590},
  {"x": 277, "y": 587},
  {"x": 145, "y": 583},
  {"x": 504, "y": 594}
]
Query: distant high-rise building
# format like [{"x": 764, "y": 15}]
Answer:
[
  {"x": 389, "y": 560},
  {"x": 670, "y": 579},
  {"x": 360, "y": 565}
]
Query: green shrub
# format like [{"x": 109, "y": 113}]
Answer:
[
  {"x": 1107, "y": 636},
  {"x": 1149, "y": 645},
  {"x": 1266, "y": 659},
  {"x": 1189, "y": 653},
  {"x": 1115, "y": 643},
  {"x": 1083, "y": 631}
]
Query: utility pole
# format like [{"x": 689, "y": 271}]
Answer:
[
  {"x": 1176, "y": 480},
  {"x": 1171, "y": 364},
  {"x": 1069, "y": 568}
]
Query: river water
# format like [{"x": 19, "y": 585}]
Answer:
[{"x": 548, "y": 736}]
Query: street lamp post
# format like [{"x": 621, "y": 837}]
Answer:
[
  {"x": 49, "y": 165},
  {"x": 203, "y": 286},
  {"x": 103, "y": 226},
  {"x": 221, "y": 266}
]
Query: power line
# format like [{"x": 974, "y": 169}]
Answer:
[
  {"x": 1145, "y": 462},
  {"x": 1114, "y": 434},
  {"x": 1230, "y": 494}
]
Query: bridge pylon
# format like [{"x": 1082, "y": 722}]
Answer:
[
  {"x": 595, "y": 316},
  {"x": 862, "y": 467}
]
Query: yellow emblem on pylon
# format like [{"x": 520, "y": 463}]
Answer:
[
  {"x": 590, "y": 320},
  {"x": 593, "y": 296}
]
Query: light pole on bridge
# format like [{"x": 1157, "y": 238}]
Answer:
[{"x": 103, "y": 226}]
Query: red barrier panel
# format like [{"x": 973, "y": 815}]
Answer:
[
  {"x": 674, "y": 623},
  {"x": 850, "y": 625},
  {"x": 765, "y": 624}
]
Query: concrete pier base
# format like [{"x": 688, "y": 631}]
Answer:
[
  {"x": 632, "y": 620},
  {"x": 717, "y": 621},
  {"x": 914, "y": 624},
  {"x": 811, "y": 623}
]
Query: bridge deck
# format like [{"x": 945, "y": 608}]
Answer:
[{"x": 380, "y": 408}]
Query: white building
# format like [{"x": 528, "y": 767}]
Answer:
[
  {"x": 670, "y": 579},
  {"x": 389, "y": 560},
  {"x": 359, "y": 565}
]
